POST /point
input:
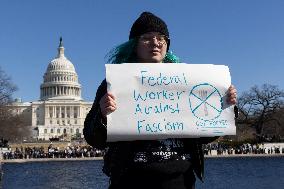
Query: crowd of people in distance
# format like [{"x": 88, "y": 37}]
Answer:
[
  {"x": 53, "y": 152},
  {"x": 223, "y": 149},
  {"x": 88, "y": 151}
]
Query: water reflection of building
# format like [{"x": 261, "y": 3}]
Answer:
[{"x": 60, "y": 112}]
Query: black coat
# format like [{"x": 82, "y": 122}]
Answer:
[{"x": 95, "y": 133}]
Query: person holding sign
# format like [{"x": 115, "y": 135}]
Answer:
[{"x": 168, "y": 163}]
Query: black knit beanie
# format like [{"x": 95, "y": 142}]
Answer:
[{"x": 148, "y": 22}]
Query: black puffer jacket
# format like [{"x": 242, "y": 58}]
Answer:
[{"x": 95, "y": 133}]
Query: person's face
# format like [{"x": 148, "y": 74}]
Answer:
[{"x": 151, "y": 47}]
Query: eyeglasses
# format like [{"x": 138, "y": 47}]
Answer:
[{"x": 147, "y": 39}]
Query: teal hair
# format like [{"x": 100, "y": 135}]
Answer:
[
  {"x": 122, "y": 53},
  {"x": 171, "y": 58},
  {"x": 125, "y": 53}
]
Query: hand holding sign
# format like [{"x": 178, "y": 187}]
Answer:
[
  {"x": 232, "y": 95},
  {"x": 107, "y": 104}
]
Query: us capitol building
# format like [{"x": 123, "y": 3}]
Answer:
[{"x": 60, "y": 112}]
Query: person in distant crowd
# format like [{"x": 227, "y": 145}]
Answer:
[
  {"x": 136, "y": 164},
  {"x": 4, "y": 143}
]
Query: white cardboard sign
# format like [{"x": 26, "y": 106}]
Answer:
[{"x": 158, "y": 101}]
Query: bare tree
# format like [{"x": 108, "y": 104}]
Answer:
[
  {"x": 259, "y": 105},
  {"x": 11, "y": 126},
  {"x": 7, "y": 88}
]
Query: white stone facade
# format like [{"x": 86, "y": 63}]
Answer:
[{"x": 60, "y": 112}]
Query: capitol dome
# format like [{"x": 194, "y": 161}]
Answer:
[
  {"x": 60, "y": 63},
  {"x": 60, "y": 80}
]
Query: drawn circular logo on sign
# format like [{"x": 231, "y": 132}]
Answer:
[{"x": 205, "y": 102}]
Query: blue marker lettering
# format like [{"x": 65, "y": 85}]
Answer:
[
  {"x": 138, "y": 109},
  {"x": 184, "y": 78},
  {"x": 139, "y": 126},
  {"x": 151, "y": 79},
  {"x": 179, "y": 93},
  {"x": 142, "y": 80},
  {"x": 139, "y": 96}
]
